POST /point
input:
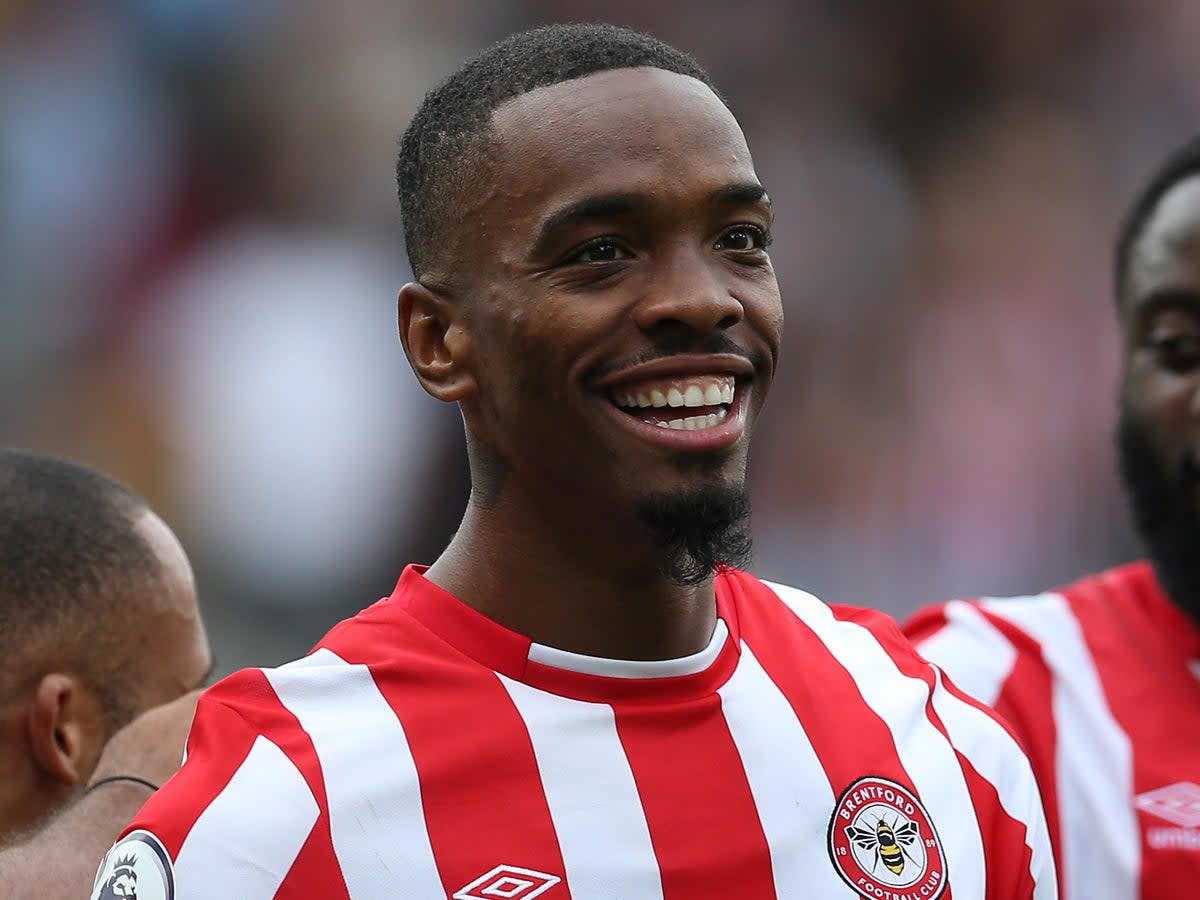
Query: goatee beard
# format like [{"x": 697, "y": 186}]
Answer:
[
  {"x": 1164, "y": 514},
  {"x": 698, "y": 533}
]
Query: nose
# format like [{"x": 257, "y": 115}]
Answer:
[{"x": 685, "y": 292}]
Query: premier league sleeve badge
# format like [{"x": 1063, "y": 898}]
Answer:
[{"x": 136, "y": 868}]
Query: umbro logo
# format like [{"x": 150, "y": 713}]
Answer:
[
  {"x": 508, "y": 883},
  {"x": 1178, "y": 803}
]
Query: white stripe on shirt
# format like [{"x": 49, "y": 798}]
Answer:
[
  {"x": 1021, "y": 800},
  {"x": 257, "y": 865},
  {"x": 1101, "y": 842},
  {"x": 592, "y": 796},
  {"x": 376, "y": 819},
  {"x": 762, "y": 721},
  {"x": 924, "y": 751},
  {"x": 980, "y": 665}
]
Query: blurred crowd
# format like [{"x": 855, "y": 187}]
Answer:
[{"x": 200, "y": 251}]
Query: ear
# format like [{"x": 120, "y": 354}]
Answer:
[
  {"x": 436, "y": 343},
  {"x": 67, "y": 728}
]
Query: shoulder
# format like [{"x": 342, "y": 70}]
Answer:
[
  {"x": 981, "y": 641},
  {"x": 912, "y": 694},
  {"x": 853, "y": 634},
  {"x": 1034, "y": 615},
  {"x": 247, "y": 797}
]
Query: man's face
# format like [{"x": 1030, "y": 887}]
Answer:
[
  {"x": 624, "y": 315},
  {"x": 1159, "y": 438}
]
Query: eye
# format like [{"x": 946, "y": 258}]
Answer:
[
  {"x": 1178, "y": 353},
  {"x": 744, "y": 239},
  {"x": 600, "y": 250}
]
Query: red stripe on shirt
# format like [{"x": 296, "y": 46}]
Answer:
[
  {"x": 1007, "y": 856},
  {"x": 850, "y": 740},
  {"x": 1129, "y": 626},
  {"x": 315, "y": 871},
  {"x": 696, "y": 799},
  {"x": 482, "y": 802},
  {"x": 222, "y": 738},
  {"x": 1026, "y": 703}
]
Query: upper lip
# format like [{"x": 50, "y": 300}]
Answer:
[{"x": 679, "y": 364}]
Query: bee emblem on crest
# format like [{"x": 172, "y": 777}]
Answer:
[
  {"x": 884, "y": 844},
  {"x": 888, "y": 841}
]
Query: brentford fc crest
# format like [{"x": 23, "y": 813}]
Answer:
[{"x": 883, "y": 843}]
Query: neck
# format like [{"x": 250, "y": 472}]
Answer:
[
  {"x": 25, "y": 797},
  {"x": 574, "y": 587}
]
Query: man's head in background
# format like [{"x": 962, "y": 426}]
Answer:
[
  {"x": 98, "y": 622},
  {"x": 1158, "y": 294}
]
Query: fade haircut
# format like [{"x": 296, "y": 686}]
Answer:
[
  {"x": 440, "y": 149},
  {"x": 1183, "y": 163},
  {"x": 75, "y": 575}
]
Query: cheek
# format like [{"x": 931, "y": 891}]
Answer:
[
  {"x": 1162, "y": 404},
  {"x": 764, "y": 313}
]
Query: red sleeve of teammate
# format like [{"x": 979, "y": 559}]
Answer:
[
  {"x": 998, "y": 664},
  {"x": 218, "y": 743},
  {"x": 243, "y": 817}
]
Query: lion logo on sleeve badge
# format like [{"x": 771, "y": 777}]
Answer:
[{"x": 136, "y": 868}]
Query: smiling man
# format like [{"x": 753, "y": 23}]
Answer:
[
  {"x": 584, "y": 696},
  {"x": 1099, "y": 678}
]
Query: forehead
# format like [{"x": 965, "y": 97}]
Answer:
[
  {"x": 623, "y": 130},
  {"x": 1167, "y": 254}
]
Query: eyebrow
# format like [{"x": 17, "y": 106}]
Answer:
[
  {"x": 589, "y": 209},
  {"x": 742, "y": 194},
  {"x": 1186, "y": 299},
  {"x": 612, "y": 206}
]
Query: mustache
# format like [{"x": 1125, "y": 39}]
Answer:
[{"x": 673, "y": 345}]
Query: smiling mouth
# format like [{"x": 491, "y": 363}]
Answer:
[{"x": 688, "y": 403}]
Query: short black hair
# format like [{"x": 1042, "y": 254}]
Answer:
[
  {"x": 1183, "y": 163},
  {"x": 75, "y": 574},
  {"x": 437, "y": 148}
]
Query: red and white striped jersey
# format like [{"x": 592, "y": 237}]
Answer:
[
  {"x": 1099, "y": 680},
  {"x": 424, "y": 751}
]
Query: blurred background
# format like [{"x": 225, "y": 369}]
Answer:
[{"x": 200, "y": 251}]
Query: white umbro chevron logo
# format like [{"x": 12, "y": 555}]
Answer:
[
  {"x": 508, "y": 883},
  {"x": 1178, "y": 803}
]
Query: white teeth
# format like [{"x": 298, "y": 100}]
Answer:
[
  {"x": 706, "y": 392},
  {"x": 694, "y": 423}
]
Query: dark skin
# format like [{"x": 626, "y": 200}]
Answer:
[
  {"x": 1161, "y": 321},
  {"x": 618, "y": 237}
]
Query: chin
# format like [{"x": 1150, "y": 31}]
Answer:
[
  {"x": 1163, "y": 505},
  {"x": 696, "y": 532}
]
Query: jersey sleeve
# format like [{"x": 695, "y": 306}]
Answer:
[
  {"x": 234, "y": 820},
  {"x": 996, "y": 664}
]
